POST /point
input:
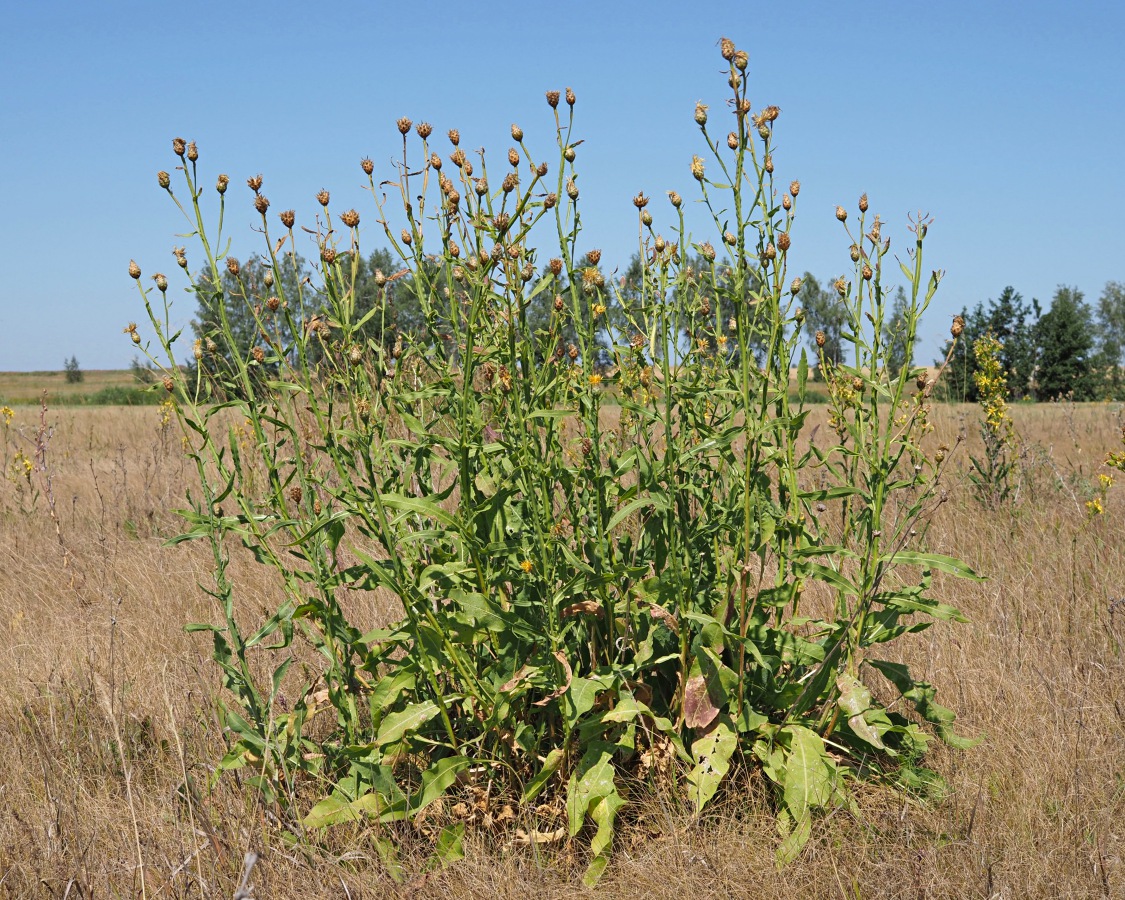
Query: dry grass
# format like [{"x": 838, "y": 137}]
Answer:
[
  {"x": 28, "y": 387},
  {"x": 106, "y": 712}
]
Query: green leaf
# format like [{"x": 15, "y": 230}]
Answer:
[
  {"x": 712, "y": 754},
  {"x": 591, "y": 782},
  {"x": 932, "y": 561},
  {"x": 550, "y": 767},
  {"x": 398, "y": 724}
]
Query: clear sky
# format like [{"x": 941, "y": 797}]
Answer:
[{"x": 1003, "y": 120}]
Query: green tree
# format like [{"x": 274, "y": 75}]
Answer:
[
  {"x": 957, "y": 385},
  {"x": 1111, "y": 335},
  {"x": 1065, "y": 338},
  {"x": 824, "y": 313},
  {"x": 895, "y": 337},
  {"x": 73, "y": 373}
]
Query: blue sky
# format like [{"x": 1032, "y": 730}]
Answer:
[{"x": 1004, "y": 120}]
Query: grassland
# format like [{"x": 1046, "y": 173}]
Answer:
[{"x": 107, "y": 706}]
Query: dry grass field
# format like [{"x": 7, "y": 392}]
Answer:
[
  {"x": 28, "y": 387},
  {"x": 109, "y": 734}
]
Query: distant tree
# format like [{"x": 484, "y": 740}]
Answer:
[
  {"x": 824, "y": 312},
  {"x": 1111, "y": 336},
  {"x": 1012, "y": 322},
  {"x": 1065, "y": 337},
  {"x": 143, "y": 372},
  {"x": 957, "y": 384},
  {"x": 73, "y": 373},
  {"x": 895, "y": 334}
]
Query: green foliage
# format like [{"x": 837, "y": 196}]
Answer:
[
  {"x": 992, "y": 474},
  {"x": 74, "y": 374},
  {"x": 824, "y": 314},
  {"x": 586, "y": 589},
  {"x": 1065, "y": 335},
  {"x": 899, "y": 354}
]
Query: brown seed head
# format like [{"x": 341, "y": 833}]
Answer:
[
  {"x": 675, "y": 199},
  {"x": 169, "y": 384},
  {"x": 640, "y": 200},
  {"x": 553, "y": 99},
  {"x": 367, "y": 165},
  {"x": 571, "y": 189},
  {"x": 232, "y": 266},
  {"x": 555, "y": 266},
  {"x": 481, "y": 186},
  {"x": 795, "y": 287},
  {"x": 510, "y": 183},
  {"x": 406, "y": 237},
  {"x": 261, "y": 203},
  {"x": 161, "y": 282},
  {"x": 770, "y": 253},
  {"x": 659, "y": 244},
  {"x": 726, "y": 47},
  {"x": 729, "y": 239},
  {"x": 841, "y": 286},
  {"x": 569, "y": 154},
  {"x": 454, "y": 250},
  {"x": 295, "y": 493},
  {"x": 794, "y": 187},
  {"x": 742, "y": 108},
  {"x": 424, "y": 129},
  {"x": 192, "y": 152},
  {"x": 593, "y": 257},
  {"x": 273, "y": 303},
  {"x": 457, "y": 157},
  {"x": 403, "y": 125},
  {"x": 322, "y": 197},
  {"x": 559, "y": 303},
  {"x": 858, "y": 384},
  {"x": 288, "y": 217},
  {"x": 958, "y": 326},
  {"x": 179, "y": 146},
  {"x": 700, "y": 113},
  {"x": 197, "y": 349},
  {"x": 259, "y": 355},
  {"x": 550, "y": 200},
  {"x": 786, "y": 202},
  {"x": 350, "y": 218},
  {"x": 821, "y": 339},
  {"x": 697, "y": 168},
  {"x": 572, "y": 352},
  {"x": 741, "y": 60},
  {"x": 517, "y": 133},
  {"x": 707, "y": 251},
  {"x": 380, "y": 278},
  {"x": 854, "y": 253},
  {"x": 541, "y": 169},
  {"x": 867, "y": 273},
  {"x": 768, "y": 166},
  {"x": 922, "y": 381},
  {"x": 513, "y": 156},
  {"x": 732, "y": 141},
  {"x": 528, "y": 272},
  {"x": 454, "y": 136},
  {"x": 863, "y": 203},
  {"x": 435, "y": 161},
  {"x": 783, "y": 241},
  {"x": 134, "y": 269},
  {"x": 355, "y": 355},
  {"x": 163, "y": 179},
  {"x": 841, "y": 214},
  {"x": 267, "y": 279},
  {"x": 221, "y": 184},
  {"x": 570, "y": 96},
  {"x": 328, "y": 254},
  {"x": 254, "y": 183},
  {"x": 181, "y": 259}
]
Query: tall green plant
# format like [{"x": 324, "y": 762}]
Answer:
[{"x": 611, "y": 549}]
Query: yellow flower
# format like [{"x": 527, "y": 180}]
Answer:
[
  {"x": 599, "y": 309},
  {"x": 1094, "y": 507},
  {"x": 7, "y": 413},
  {"x": 527, "y": 566},
  {"x": 595, "y": 380},
  {"x": 1106, "y": 481}
]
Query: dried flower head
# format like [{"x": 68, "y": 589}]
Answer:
[
  {"x": 403, "y": 125},
  {"x": 707, "y": 251},
  {"x": 795, "y": 287},
  {"x": 729, "y": 238},
  {"x": 559, "y": 303},
  {"x": 288, "y": 217},
  {"x": 197, "y": 349},
  {"x": 380, "y": 278},
  {"x": 675, "y": 199},
  {"x": 261, "y": 203},
  {"x": 593, "y": 257},
  {"x": 513, "y": 157},
  {"x": 572, "y": 352},
  {"x": 726, "y": 47},
  {"x": 254, "y": 183},
  {"x": 570, "y": 96},
  {"x": 640, "y": 200},
  {"x": 510, "y": 183},
  {"x": 863, "y": 203},
  {"x": 134, "y": 269},
  {"x": 854, "y": 253},
  {"x": 350, "y": 218},
  {"x": 659, "y": 244},
  {"x": 741, "y": 60},
  {"x": 259, "y": 355},
  {"x": 700, "y": 113},
  {"x": 163, "y": 179},
  {"x": 768, "y": 165},
  {"x": 517, "y": 133},
  {"x": 161, "y": 282},
  {"x": 435, "y": 161},
  {"x": 553, "y": 99},
  {"x": 406, "y": 237},
  {"x": 821, "y": 339},
  {"x": 481, "y": 186},
  {"x": 192, "y": 152},
  {"x": 958, "y": 326},
  {"x": 181, "y": 259},
  {"x": 841, "y": 286},
  {"x": 328, "y": 254},
  {"x": 555, "y": 266},
  {"x": 770, "y": 253},
  {"x": 841, "y": 214},
  {"x": 169, "y": 384},
  {"x": 367, "y": 165},
  {"x": 550, "y": 200},
  {"x": 571, "y": 189},
  {"x": 179, "y": 146},
  {"x": 454, "y": 136},
  {"x": 322, "y": 197},
  {"x": 867, "y": 273},
  {"x": 424, "y": 129},
  {"x": 355, "y": 355},
  {"x": 295, "y": 493},
  {"x": 697, "y": 168},
  {"x": 783, "y": 241},
  {"x": 794, "y": 187},
  {"x": 273, "y": 303},
  {"x": 221, "y": 184},
  {"x": 233, "y": 266}
]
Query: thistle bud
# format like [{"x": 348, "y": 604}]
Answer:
[
  {"x": 454, "y": 136},
  {"x": 570, "y": 97},
  {"x": 569, "y": 154},
  {"x": 169, "y": 384},
  {"x": 783, "y": 241},
  {"x": 770, "y": 253},
  {"x": 454, "y": 250},
  {"x": 273, "y": 303},
  {"x": 553, "y": 99},
  {"x": 958, "y": 326},
  {"x": 732, "y": 141},
  {"x": 541, "y": 169},
  {"x": 424, "y": 129},
  {"x": 841, "y": 286},
  {"x": 350, "y": 218},
  {"x": 403, "y": 125},
  {"x": 233, "y": 266},
  {"x": 764, "y": 131},
  {"x": 795, "y": 287},
  {"x": 674, "y": 199},
  {"x": 380, "y": 278},
  {"x": 355, "y": 355},
  {"x": 640, "y": 200},
  {"x": 726, "y": 47},
  {"x": 528, "y": 272},
  {"x": 435, "y": 161},
  {"x": 572, "y": 352},
  {"x": 555, "y": 266},
  {"x": 707, "y": 251},
  {"x": 841, "y": 214},
  {"x": 259, "y": 355},
  {"x": 513, "y": 157},
  {"x": 322, "y": 197},
  {"x": 729, "y": 239},
  {"x": 741, "y": 60},
  {"x": 367, "y": 165},
  {"x": 136, "y": 338},
  {"x": 288, "y": 218},
  {"x": 863, "y": 203},
  {"x": 267, "y": 279},
  {"x": 517, "y": 133},
  {"x": 510, "y": 183},
  {"x": 254, "y": 183},
  {"x": 550, "y": 201},
  {"x": 867, "y": 273},
  {"x": 768, "y": 165},
  {"x": 197, "y": 349},
  {"x": 821, "y": 339},
  {"x": 458, "y": 273},
  {"x": 786, "y": 202},
  {"x": 134, "y": 269},
  {"x": 646, "y": 218},
  {"x": 697, "y": 168},
  {"x": 571, "y": 189},
  {"x": 799, "y": 315},
  {"x": 221, "y": 184},
  {"x": 179, "y": 146},
  {"x": 161, "y": 282},
  {"x": 163, "y": 179},
  {"x": 406, "y": 237},
  {"x": 794, "y": 187},
  {"x": 659, "y": 244},
  {"x": 701, "y": 113},
  {"x": 854, "y": 253},
  {"x": 192, "y": 152},
  {"x": 261, "y": 203}
]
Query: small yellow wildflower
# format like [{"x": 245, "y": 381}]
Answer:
[
  {"x": 595, "y": 380},
  {"x": 8, "y": 414},
  {"x": 1094, "y": 507},
  {"x": 527, "y": 566},
  {"x": 599, "y": 309},
  {"x": 1106, "y": 481}
]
